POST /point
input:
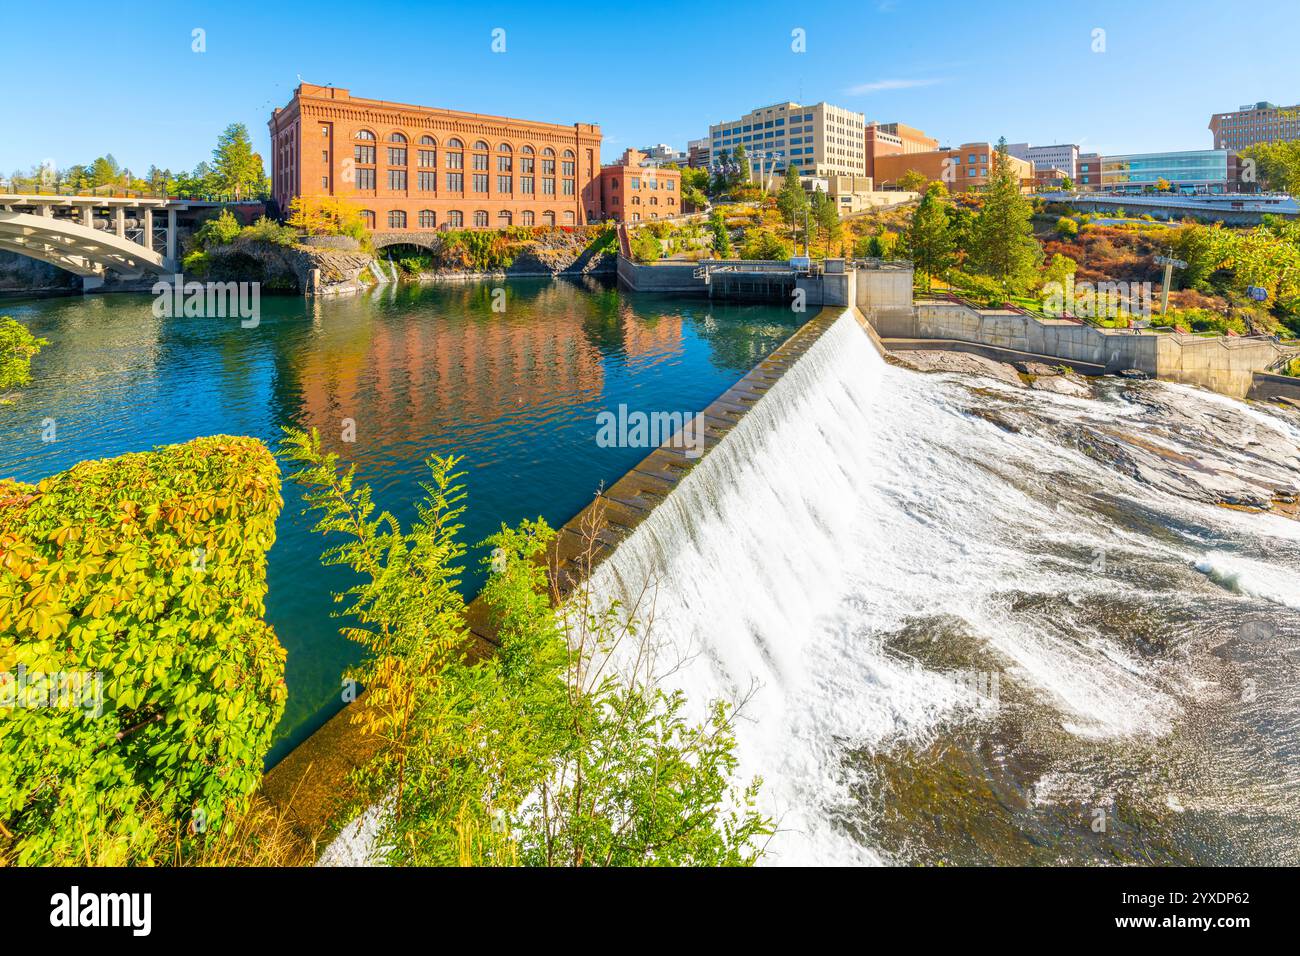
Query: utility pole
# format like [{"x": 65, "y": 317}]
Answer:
[{"x": 1170, "y": 265}]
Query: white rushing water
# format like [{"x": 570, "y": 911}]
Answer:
[{"x": 857, "y": 496}]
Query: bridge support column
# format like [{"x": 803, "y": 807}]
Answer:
[
  {"x": 146, "y": 239},
  {"x": 171, "y": 234},
  {"x": 119, "y": 222},
  {"x": 88, "y": 216}
]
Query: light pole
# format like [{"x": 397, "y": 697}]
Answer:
[{"x": 1170, "y": 265}]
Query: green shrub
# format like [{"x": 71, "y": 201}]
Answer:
[
  {"x": 537, "y": 754},
  {"x": 143, "y": 578},
  {"x": 477, "y": 249},
  {"x": 764, "y": 244},
  {"x": 196, "y": 263},
  {"x": 1067, "y": 227},
  {"x": 268, "y": 230},
  {"x": 1293, "y": 368},
  {"x": 17, "y": 349},
  {"x": 646, "y": 247},
  {"x": 219, "y": 231}
]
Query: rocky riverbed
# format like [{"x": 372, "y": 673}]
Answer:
[{"x": 1214, "y": 449}]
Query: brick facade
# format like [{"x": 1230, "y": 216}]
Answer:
[
  {"x": 630, "y": 192},
  {"x": 417, "y": 168}
]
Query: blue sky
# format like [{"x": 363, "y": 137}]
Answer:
[{"x": 124, "y": 79}]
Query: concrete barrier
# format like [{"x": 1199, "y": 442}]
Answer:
[
  {"x": 1269, "y": 387},
  {"x": 1228, "y": 365}
]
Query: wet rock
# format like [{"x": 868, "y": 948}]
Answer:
[
  {"x": 939, "y": 360},
  {"x": 1073, "y": 385},
  {"x": 1133, "y": 373}
]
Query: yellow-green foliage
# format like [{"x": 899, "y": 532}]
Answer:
[{"x": 146, "y": 576}]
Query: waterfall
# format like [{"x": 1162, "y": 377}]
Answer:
[{"x": 853, "y": 501}]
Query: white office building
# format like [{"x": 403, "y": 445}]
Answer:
[
  {"x": 821, "y": 140},
  {"x": 1063, "y": 157}
]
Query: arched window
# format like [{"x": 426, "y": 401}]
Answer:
[
  {"x": 454, "y": 143},
  {"x": 455, "y": 158},
  {"x": 526, "y": 160},
  {"x": 396, "y": 138},
  {"x": 548, "y": 218},
  {"x": 427, "y": 219},
  {"x": 396, "y": 219},
  {"x": 365, "y": 134},
  {"x": 504, "y": 219},
  {"x": 368, "y": 218},
  {"x": 505, "y": 161},
  {"x": 455, "y": 219},
  {"x": 527, "y": 217},
  {"x": 548, "y": 163},
  {"x": 428, "y": 141},
  {"x": 568, "y": 154},
  {"x": 480, "y": 219},
  {"x": 480, "y": 158},
  {"x": 504, "y": 148},
  {"x": 548, "y": 151}
]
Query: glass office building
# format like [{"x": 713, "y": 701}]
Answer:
[{"x": 1191, "y": 171}]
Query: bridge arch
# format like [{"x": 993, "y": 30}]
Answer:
[{"x": 80, "y": 249}]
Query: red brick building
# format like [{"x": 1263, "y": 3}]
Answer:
[
  {"x": 630, "y": 192},
  {"x": 417, "y": 168}
]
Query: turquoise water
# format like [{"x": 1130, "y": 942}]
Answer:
[{"x": 418, "y": 370}]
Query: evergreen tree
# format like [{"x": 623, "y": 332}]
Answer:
[
  {"x": 721, "y": 238},
  {"x": 827, "y": 218},
  {"x": 930, "y": 241},
  {"x": 792, "y": 201},
  {"x": 238, "y": 169},
  {"x": 1005, "y": 247}
]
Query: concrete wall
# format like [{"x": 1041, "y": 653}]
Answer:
[
  {"x": 1225, "y": 365},
  {"x": 672, "y": 278},
  {"x": 1267, "y": 386}
]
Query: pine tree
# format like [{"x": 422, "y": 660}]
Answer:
[
  {"x": 1005, "y": 247},
  {"x": 792, "y": 201},
  {"x": 827, "y": 218},
  {"x": 930, "y": 240},
  {"x": 238, "y": 169}
]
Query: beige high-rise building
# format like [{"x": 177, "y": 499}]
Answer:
[{"x": 820, "y": 140}]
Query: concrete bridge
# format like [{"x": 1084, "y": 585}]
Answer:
[{"x": 93, "y": 236}]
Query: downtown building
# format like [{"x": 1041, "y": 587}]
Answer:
[
  {"x": 635, "y": 189},
  {"x": 819, "y": 140},
  {"x": 962, "y": 169},
  {"x": 1064, "y": 158},
  {"x": 420, "y": 168},
  {"x": 1209, "y": 171},
  {"x": 1255, "y": 123},
  {"x": 893, "y": 139}
]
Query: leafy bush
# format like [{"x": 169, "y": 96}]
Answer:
[
  {"x": 764, "y": 244},
  {"x": 17, "y": 349},
  {"x": 268, "y": 230},
  {"x": 1293, "y": 368},
  {"x": 646, "y": 247},
  {"x": 478, "y": 250},
  {"x": 196, "y": 263},
  {"x": 535, "y": 754},
  {"x": 218, "y": 231},
  {"x": 1067, "y": 227},
  {"x": 141, "y": 580},
  {"x": 327, "y": 216}
]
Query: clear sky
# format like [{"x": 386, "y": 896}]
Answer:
[{"x": 123, "y": 78}]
